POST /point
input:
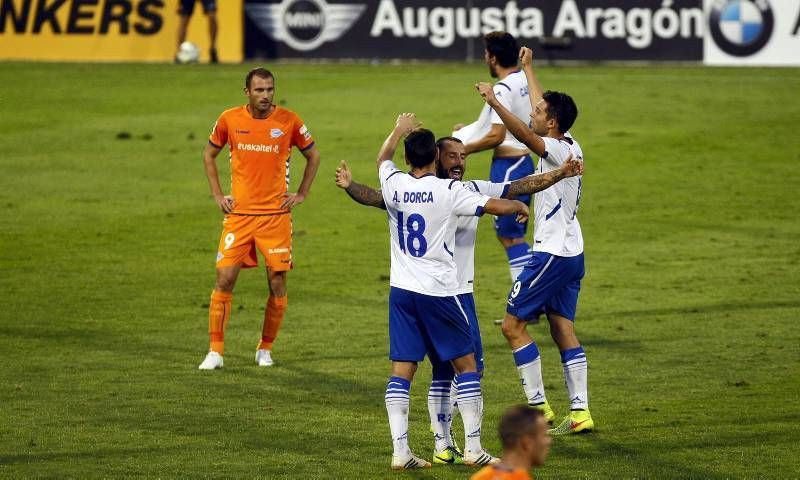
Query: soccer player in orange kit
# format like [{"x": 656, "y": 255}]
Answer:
[
  {"x": 260, "y": 136},
  {"x": 526, "y": 443}
]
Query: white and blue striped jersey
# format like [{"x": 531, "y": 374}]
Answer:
[
  {"x": 423, "y": 217},
  {"x": 556, "y": 228},
  {"x": 512, "y": 93},
  {"x": 466, "y": 233}
]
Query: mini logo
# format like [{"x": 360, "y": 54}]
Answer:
[
  {"x": 220, "y": 256},
  {"x": 275, "y": 133},
  {"x": 741, "y": 27},
  {"x": 304, "y": 24},
  {"x": 243, "y": 132}
]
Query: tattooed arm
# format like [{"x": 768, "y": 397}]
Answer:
[
  {"x": 537, "y": 183},
  {"x": 360, "y": 193}
]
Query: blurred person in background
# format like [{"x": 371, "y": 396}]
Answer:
[{"x": 185, "y": 11}]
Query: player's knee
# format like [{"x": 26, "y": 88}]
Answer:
[
  {"x": 225, "y": 285},
  {"x": 563, "y": 334},
  {"x": 404, "y": 370},
  {"x": 512, "y": 328},
  {"x": 465, "y": 364},
  {"x": 277, "y": 285},
  {"x": 508, "y": 242},
  {"x": 225, "y": 281}
]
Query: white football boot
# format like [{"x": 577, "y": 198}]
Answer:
[
  {"x": 212, "y": 361},
  {"x": 264, "y": 358},
  {"x": 408, "y": 462},
  {"x": 479, "y": 459}
]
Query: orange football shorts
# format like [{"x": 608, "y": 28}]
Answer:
[{"x": 243, "y": 234}]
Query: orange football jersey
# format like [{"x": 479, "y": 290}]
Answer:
[
  {"x": 493, "y": 472},
  {"x": 260, "y": 150}
]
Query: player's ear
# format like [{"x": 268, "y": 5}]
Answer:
[{"x": 527, "y": 443}]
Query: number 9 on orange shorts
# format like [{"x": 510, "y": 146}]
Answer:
[{"x": 242, "y": 235}]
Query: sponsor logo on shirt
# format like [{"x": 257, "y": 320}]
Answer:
[
  {"x": 257, "y": 147},
  {"x": 275, "y": 133},
  {"x": 304, "y": 131}
]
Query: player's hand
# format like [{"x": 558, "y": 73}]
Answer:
[
  {"x": 487, "y": 92},
  {"x": 343, "y": 175},
  {"x": 291, "y": 200},
  {"x": 572, "y": 167},
  {"x": 458, "y": 126},
  {"x": 526, "y": 57},
  {"x": 225, "y": 203},
  {"x": 406, "y": 122},
  {"x": 522, "y": 212}
]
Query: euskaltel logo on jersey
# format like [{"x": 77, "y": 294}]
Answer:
[
  {"x": 304, "y": 24},
  {"x": 741, "y": 27}
]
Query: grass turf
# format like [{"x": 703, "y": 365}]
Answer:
[{"x": 688, "y": 312}]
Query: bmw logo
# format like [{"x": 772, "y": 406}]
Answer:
[{"x": 741, "y": 27}]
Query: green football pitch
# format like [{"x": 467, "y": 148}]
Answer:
[{"x": 688, "y": 313}]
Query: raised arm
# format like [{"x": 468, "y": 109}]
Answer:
[
  {"x": 360, "y": 193},
  {"x": 312, "y": 165},
  {"x": 210, "y": 153},
  {"x": 535, "y": 90},
  {"x": 536, "y": 183},
  {"x": 406, "y": 122},
  {"x": 516, "y": 126},
  {"x": 501, "y": 206},
  {"x": 492, "y": 139}
]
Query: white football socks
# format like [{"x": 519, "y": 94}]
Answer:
[
  {"x": 470, "y": 404},
  {"x": 440, "y": 412},
  {"x": 576, "y": 377},
  {"x": 397, "y": 407},
  {"x": 529, "y": 366}
]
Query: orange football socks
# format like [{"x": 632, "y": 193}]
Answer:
[
  {"x": 219, "y": 311},
  {"x": 273, "y": 317}
]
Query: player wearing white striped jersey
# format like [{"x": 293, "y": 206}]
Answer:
[
  {"x": 551, "y": 281},
  {"x": 452, "y": 165},
  {"x": 511, "y": 159},
  {"x": 425, "y": 315}
]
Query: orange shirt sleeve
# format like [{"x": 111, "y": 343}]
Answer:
[
  {"x": 219, "y": 134},
  {"x": 301, "y": 137}
]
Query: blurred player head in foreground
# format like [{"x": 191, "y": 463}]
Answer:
[
  {"x": 554, "y": 115},
  {"x": 501, "y": 50},
  {"x": 259, "y": 86},
  {"x": 523, "y": 433},
  {"x": 452, "y": 158},
  {"x": 420, "y": 146}
]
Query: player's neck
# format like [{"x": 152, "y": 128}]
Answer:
[
  {"x": 503, "y": 72},
  {"x": 553, "y": 133},
  {"x": 421, "y": 172},
  {"x": 514, "y": 461},
  {"x": 260, "y": 115}
]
